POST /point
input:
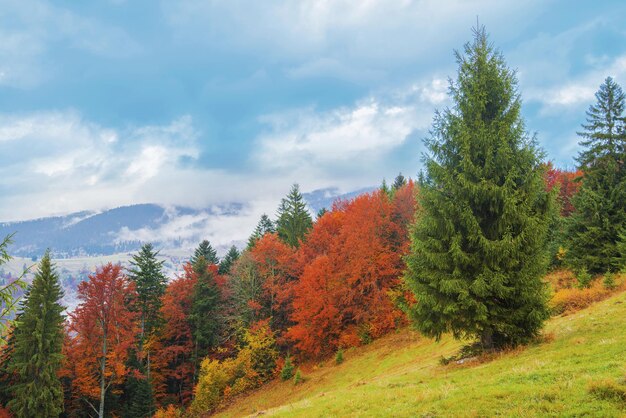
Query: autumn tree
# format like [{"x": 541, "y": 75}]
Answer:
[
  {"x": 104, "y": 328},
  {"x": 478, "y": 245},
  {"x": 599, "y": 217},
  {"x": 294, "y": 219},
  {"x": 36, "y": 353},
  {"x": 173, "y": 378}
]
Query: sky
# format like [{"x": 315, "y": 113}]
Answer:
[{"x": 197, "y": 103}]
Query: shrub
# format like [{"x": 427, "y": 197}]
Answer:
[
  {"x": 170, "y": 412},
  {"x": 569, "y": 300},
  {"x": 339, "y": 356},
  {"x": 584, "y": 278},
  {"x": 609, "y": 281},
  {"x": 287, "y": 371},
  {"x": 298, "y": 378}
]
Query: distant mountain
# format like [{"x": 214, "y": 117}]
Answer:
[{"x": 125, "y": 229}]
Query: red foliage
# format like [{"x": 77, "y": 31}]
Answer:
[
  {"x": 352, "y": 259},
  {"x": 102, "y": 329},
  {"x": 277, "y": 268},
  {"x": 173, "y": 376},
  {"x": 568, "y": 186}
]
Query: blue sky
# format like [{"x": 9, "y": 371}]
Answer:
[{"x": 106, "y": 103}]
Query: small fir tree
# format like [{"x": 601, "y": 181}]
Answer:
[
  {"x": 265, "y": 226},
  {"x": 287, "y": 372},
  {"x": 478, "y": 245}
]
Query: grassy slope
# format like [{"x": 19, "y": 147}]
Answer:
[{"x": 400, "y": 375}]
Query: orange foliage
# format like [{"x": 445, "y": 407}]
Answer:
[
  {"x": 568, "y": 300},
  {"x": 102, "y": 324},
  {"x": 351, "y": 260},
  {"x": 173, "y": 376}
]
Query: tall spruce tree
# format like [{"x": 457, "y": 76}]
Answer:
[
  {"x": 294, "y": 220},
  {"x": 265, "y": 226},
  {"x": 38, "y": 340},
  {"x": 477, "y": 253},
  {"x": 205, "y": 249},
  {"x": 204, "y": 317},
  {"x": 600, "y": 216},
  {"x": 146, "y": 272},
  {"x": 229, "y": 259}
]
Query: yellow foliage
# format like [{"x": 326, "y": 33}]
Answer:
[
  {"x": 170, "y": 412},
  {"x": 572, "y": 299}
]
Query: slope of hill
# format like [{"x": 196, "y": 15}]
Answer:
[{"x": 401, "y": 375}]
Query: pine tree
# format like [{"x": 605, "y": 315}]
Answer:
[
  {"x": 204, "y": 316},
  {"x": 205, "y": 250},
  {"x": 294, "y": 220},
  {"x": 321, "y": 213},
  {"x": 227, "y": 263},
  {"x": 599, "y": 216},
  {"x": 150, "y": 282},
  {"x": 265, "y": 226},
  {"x": 38, "y": 340},
  {"x": 477, "y": 253}
]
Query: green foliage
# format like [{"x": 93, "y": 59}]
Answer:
[
  {"x": 599, "y": 218},
  {"x": 227, "y": 263},
  {"x": 204, "y": 317},
  {"x": 321, "y": 213},
  {"x": 8, "y": 299},
  {"x": 294, "y": 220},
  {"x": 36, "y": 355},
  {"x": 398, "y": 182},
  {"x": 609, "y": 390},
  {"x": 150, "y": 282},
  {"x": 584, "y": 278},
  {"x": 339, "y": 356},
  {"x": 139, "y": 399},
  {"x": 298, "y": 378},
  {"x": 265, "y": 226},
  {"x": 287, "y": 371},
  {"x": 204, "y": 250},
  {"x": 478, "y": 245},
  {"x": 609, "y": 281}
]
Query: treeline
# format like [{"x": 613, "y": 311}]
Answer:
[{"x": 463, "y": 251}]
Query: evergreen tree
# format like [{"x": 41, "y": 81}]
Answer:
[
  {"x": 399, "y": 182},
  {"x": 205, "y": 250},
  {"x": 599, "y": 216},
  {"x": 150, "y": 281},
  {"x": 321, "y": 213},
  {"x": 204, "y": 316},
  {"x": 227, "y": 263},
  {"x": 38, "y": 340},
  {"x": 265, "y": 226},
  {"x": 294, "y": 220},
  {"x": 477, "y": 253},
  {"x": 138, "y": 396}
]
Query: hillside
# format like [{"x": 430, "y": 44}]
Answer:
[{"x": 400, "y": 375}]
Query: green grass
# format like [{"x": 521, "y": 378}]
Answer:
[{"x": 400, "y": 375}]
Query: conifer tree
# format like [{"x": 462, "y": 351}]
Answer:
[
  {"x": 599, "y": 216},
  {"x": 398, "y": 182},
  {"x": 229, "y": 259},
  {"x": 477, "y": 253},
  {"x": 138, "y": 395},
  {"x": 150, "y": 282},
  {"x": 205, "y": 250},
  {"x": 265, "y": 226},
  {"x": 204, "y": 316},
  {"x": 294, "y": 220},
  {"x": 38, "y": 340}
]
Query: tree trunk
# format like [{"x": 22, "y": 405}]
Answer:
[
  {"x": 102, "y": 376},
  {"x": 486, "y": 339}
]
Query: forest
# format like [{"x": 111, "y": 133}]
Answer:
[{"x": 463, "y": 249}]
